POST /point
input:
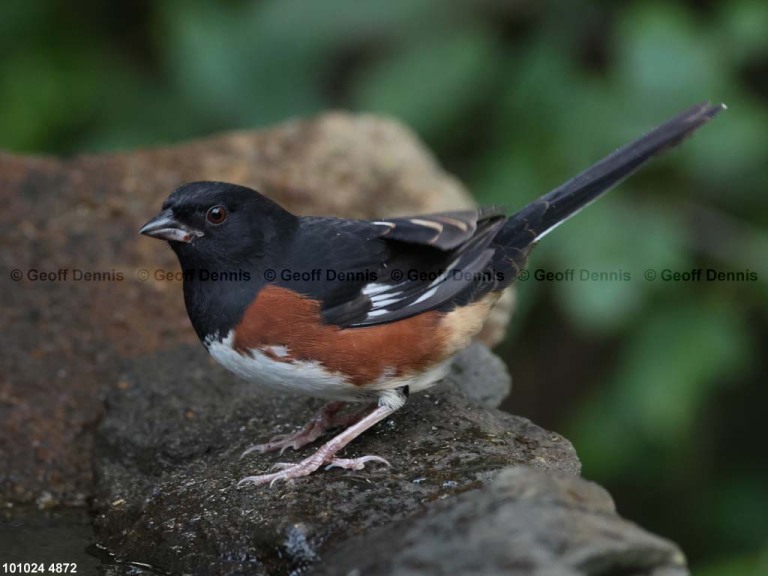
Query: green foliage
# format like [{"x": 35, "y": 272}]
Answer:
[
  {"x": 695, "y": 345},
  {"x": 515, "y": 97},
  {"x": 460, "y": 62}
]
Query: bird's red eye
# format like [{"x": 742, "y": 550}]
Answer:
[{"x": 216, "y": 215}]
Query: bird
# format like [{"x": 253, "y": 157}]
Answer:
[{"x": 360, "y": 312}]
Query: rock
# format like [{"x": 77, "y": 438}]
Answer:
[
  {"x": 70, "y": 335},
  {"x": 524, "y": 521},
  {"x": 482, "y": 376},
  {"x": 168, "y": 461}
]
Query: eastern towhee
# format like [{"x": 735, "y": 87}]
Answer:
[{"x": 357, "y": 310}]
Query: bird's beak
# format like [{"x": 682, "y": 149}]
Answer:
[{"x": 165, "y": 227}]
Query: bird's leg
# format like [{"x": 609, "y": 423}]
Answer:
[
  {"x": 389, "y": 402},
  {"x": 325, "y": 419}
]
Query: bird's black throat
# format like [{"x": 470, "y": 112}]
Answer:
[{"x": 216, "y": 295}]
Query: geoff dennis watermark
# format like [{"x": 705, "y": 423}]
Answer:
[
  {"x": 66, "y": 275},
  {"x": 389, "y": 275},
  {"x": 701, "y": 275},
  {"x": 648, "y": 275}
]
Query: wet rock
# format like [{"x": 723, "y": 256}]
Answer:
[
  {"x": 48, "y": 537},
  {"x": 168, "y": 460},
  {"x": 523, "y": 522},
  {"x": 67, "y": 336}
]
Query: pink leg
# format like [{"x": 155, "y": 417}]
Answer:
[
  {"x": 325, "y": 419},
  {"x": 327, "y": 452}
]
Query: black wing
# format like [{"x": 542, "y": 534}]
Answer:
[
  {"x": 444, "y": 230},
  {"x": 374, "y": 272}
]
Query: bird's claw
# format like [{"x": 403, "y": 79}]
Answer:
[
  {"x": 286, "y": 471},
  {"x": 282, "y": 442},
  {"x": 356, "y": 463}
]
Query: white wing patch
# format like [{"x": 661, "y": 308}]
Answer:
[
  {"x": 371, "y": 290},
  {"x": 428, "y": 294},
  {"x": 386, "y": 298},
  {"x": 428, "y": 224}
]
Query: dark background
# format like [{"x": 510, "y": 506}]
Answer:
[{"x": 659, "y": 384}]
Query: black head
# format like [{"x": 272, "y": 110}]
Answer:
[{"x": 219, "y": 225}]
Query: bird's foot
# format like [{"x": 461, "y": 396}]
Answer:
[
  {"x": 326, "y": 454},
  {"x": 356, "y": 463},
  {"x": 287, "y": 471},
  {"x": 326, "y": 419},
  {"x": 306, "y": 435}
]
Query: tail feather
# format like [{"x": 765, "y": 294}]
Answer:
[{"x": 541, "y": 216}]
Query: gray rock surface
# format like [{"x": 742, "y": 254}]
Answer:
[
  {"x": 524, "y": 522},
  {"x": 482, "y": 376},
  {"x": 168, "y": 459}
]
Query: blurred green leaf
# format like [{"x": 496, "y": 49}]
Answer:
[
  {"x": 673, "y": 361},
  {"x": 743, "y": 28},
  {"x": 529, "y": 114},
  {"x": 733, "y": 154},
  {"x": 235, "y": 70},
  {"x": 737, "y": 565},
  {"x": 322, "y": 26},
  {"x": 430, "y": 83},
  {"x": 742, "y": 501},
  {"x": 21, "y": 20},
  {"x": 664, "y": 59},
  {"x": 52, "y": 95},
  {"x": 621, "y": 236}
]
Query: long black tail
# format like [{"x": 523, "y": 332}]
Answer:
[{"x": 543, "y": 215}]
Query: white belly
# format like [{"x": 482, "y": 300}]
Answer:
[{"x": 311, "y": 378}]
